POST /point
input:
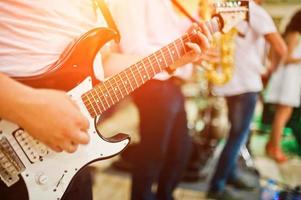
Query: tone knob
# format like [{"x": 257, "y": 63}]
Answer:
[{"x": 41, "y": 179}]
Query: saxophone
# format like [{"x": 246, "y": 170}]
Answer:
[{"x": 218, "y": 72}]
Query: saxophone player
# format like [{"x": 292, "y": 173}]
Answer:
[{"x": 241, "y": 95}]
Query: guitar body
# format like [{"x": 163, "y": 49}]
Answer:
[
  {"x": 75, "y": 64},
  {"x": 48, "y": 174}
]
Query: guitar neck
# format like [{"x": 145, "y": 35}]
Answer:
[{"x": 108, "y": 93}]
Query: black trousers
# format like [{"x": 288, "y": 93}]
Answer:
[
  {"x": 80, "y": 189},
  {"x": 164, "y": 147}
]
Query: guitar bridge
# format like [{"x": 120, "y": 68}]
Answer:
[{"x": 10, "y": 164}]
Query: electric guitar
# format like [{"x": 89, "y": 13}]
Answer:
[{"x": 47, "y": 173}]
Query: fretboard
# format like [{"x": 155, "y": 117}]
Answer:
[{"x": 108, "y": 93}]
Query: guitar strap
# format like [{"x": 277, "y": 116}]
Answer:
[
  {"x": 108, "y": 17},
  {"x": 183, "y": 11}
]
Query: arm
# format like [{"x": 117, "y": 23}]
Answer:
[
  {"x": 38, "y": 111},
  {"x": 278, "y": 49},
  {"x": 292, "y": 40}
]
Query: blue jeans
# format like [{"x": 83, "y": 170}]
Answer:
[
  {"x": 164, "y": 147},
  {"x": 240, "y": 112}
]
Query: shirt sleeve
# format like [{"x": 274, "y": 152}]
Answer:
[
  {"x": 260, "y": 20},
  {"x": 131, "y": 19}
]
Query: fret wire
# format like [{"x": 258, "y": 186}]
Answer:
[
  {"x": 176, "y": 49},
  {"x": 90, "y": 103},
  {"x": 168, "y": 56},
  {"x": 172, "y": 59},
  {"x": 160, "y": 69},
  {"x": 100, "y": 98},
  {"x": 162, "y": 53},
  {"x": 98, "y": 101},
  {"x": 122, "y": 86},
  {"x": 166, "y": 65},
  {"x": 181, "y": 50},
  {"x": 139, "y": 73},
  {"x": 108, "y": 92},
  {"x": 160, "y": 59},
  {"x": 153, "y": 60},
  {"x": 95, "y": 100},
  {"x": 91, "y": 108},
  {"x": 122, "y": 83},
  {"x": 118, "y": 87},
  {"x": 152, "y": 67},
  {"x": 184, "y": 46},
  {"x": 114, "y": 91},
  {"x": 129, "y": 81},
  {"x": 137, "y": 85},
  {"x": 144, "y": 67},
  {"x": 104, "y": 94},
  {"x": 101, "y": 94}
]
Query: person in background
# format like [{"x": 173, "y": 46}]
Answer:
[
  {"x": 164, "y": 148},
  {"x": 284, "y": 88},
  {"x": 33, "y": 36},
  {"x": 241, "y": 96}
]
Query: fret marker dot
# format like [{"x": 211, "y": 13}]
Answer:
[
  {"x": 173, "y": 52},
  {"x": 125, "y": 82},
  {"x": 144, "y": 76},
  {"x": 160, "y": 60},
  {"x": 106, "y": 95},
  {"x": 116, "y": 89}
]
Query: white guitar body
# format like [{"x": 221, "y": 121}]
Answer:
[{"x": 49, "y": 177}]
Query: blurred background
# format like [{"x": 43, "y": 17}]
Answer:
[{"x": 207, "y": 114}]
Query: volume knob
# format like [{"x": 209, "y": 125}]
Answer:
[{"x": 41, "y": 179}]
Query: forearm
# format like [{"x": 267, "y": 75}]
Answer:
[
  {"x": 278, "y": 47},
  {"x": 12, "y": 96}
]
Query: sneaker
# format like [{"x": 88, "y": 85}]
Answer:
[
  {"x": 242, "y": 184},
  {"x": 223, "y": 195}
]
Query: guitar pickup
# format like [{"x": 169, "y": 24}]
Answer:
[{"x": 33, "y": 149}]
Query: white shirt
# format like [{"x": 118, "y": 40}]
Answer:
[
  {"x": 148, "y": 25},
  {"x": 33, "y": 34},
  {"x": 248, "y": 53}
]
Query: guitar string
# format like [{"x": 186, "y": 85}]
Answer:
[
  {"x": 166, "y": 51},
  {"x": 116, "y": 83},
  {"x": 135, "y": 71},
  {"x": 95, "y": 106}
]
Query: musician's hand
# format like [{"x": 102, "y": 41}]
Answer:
[
  {"x": 197, "y": 49},
  {"x": 53, "y": 118},
  {"x": 212, "y": 55},
  {"x": 204, "y": 37}
]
